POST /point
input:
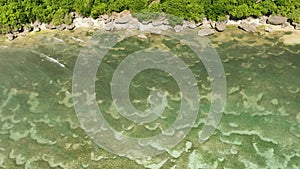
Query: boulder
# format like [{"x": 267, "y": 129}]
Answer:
[
  {"x": 36, "y": 29},
  {"x": 142, "y": 36},
  {"x": 269, "y": 29},
  {"x": 248, "y": 27},
  {"x": 150, "y": 28},
  {"x": 70, "y": 27},
  {"x": 37, "y": 24},
  {"x": 164, "y": 27},
  {"x": 89, "y": 21},
  {"x": 205, "y": 23},
  {"x": 75, "y": 15},
  {"x": 221, "y": 26},
  {"x": 286, "y": 24},
  {"x": 277, "y": 20},
  {"x": 27, "y": 29},
  {"x": 296, "y": 25},
  {"x": 104, "y": 17},
  {"x": 160, "y": 21},
  {"x": 114, "y": 16},
  {"x": 189, "y": 24},
  {"x": 213, "y": 24},
  {"x": 61, "y": 27},
  {"x": 50, "y": 26},
  {"x": 178, "y": 28},
  {"x": 125, "y": 19},
  {"x": 263, "y": 20},
  {"x": 10, "y": 36},
  {"x": 134, "y": 24},
  {"x": 121, "y": 26},
  {"x": 146, "y": 22},
  {"x": 109, "y": 26},
  {"x": 206, "y": 32}
]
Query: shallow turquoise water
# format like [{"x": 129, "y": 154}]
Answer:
[{"x": 260, "y": 127}]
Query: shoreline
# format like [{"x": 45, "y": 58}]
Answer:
[{"x": 125, "y": 21}]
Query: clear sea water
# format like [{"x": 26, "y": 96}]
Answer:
[{"x": 260, "y": 127}]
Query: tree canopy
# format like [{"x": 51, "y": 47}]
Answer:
[{"x": 15, "y": 13}]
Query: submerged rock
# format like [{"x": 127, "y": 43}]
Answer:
[
  {"x": 206, "y": 32},
  {"x": 248, "y": 27},
  {"x": 277, "y": 20}
]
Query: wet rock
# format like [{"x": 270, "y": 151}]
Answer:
[
  {"x": 276, "y": 20},
  {"x": 104, "y": 17},
  {"x": 37, "y": 24},
  {"x": 269, "y": 29},
  {"x": 134, "y": 24},
  {"x": 205, "y": 23},
  {"x": 27, "y": 29},
  {"x": 213, "y": 24},
  {"x": 61, "y": 27},
  {"x": 206, "y": 32},
  {"x": 84, "y": 22},
  {"x": 286, "y": 24},
  {"x": 114, "y": 16},
  {"x": 221, "y": 26},
  {"x": 88, "y": 21},
  {"x": 146, "y": 22},
  {"x": 109, "y": 26},
  {"x": 75, "y": 15},
  {"x": 36, "y": 29},
  {"x": 296, "y": 25},
  {"x": 150, "y": 28},
  {"x": 248, "y": 27},
  {"x": 189, "y": 24},
  {"x": 263, "y": 20},
  {"x": 123, "y": 20},
  {"x": 142, "y": 36},
  {"x": 50, "y": 26},
  {"x": 70, "y": 27},
  {"x": 160, "y": 21},
  {"x": 10, "y": 36},
  {"x": 121, "y": 26},
  {"x": 164, "y": 27},
  {"x": 99, "y": 23},
  {"x": 178, "y": 28}
]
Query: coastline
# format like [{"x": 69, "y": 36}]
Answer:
[{"x": 125, "y": 21}]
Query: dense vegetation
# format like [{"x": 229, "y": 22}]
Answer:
[{"x": 15, "y": 13}]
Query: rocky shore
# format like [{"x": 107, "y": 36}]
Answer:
[{"x": 125, "y": 20}]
